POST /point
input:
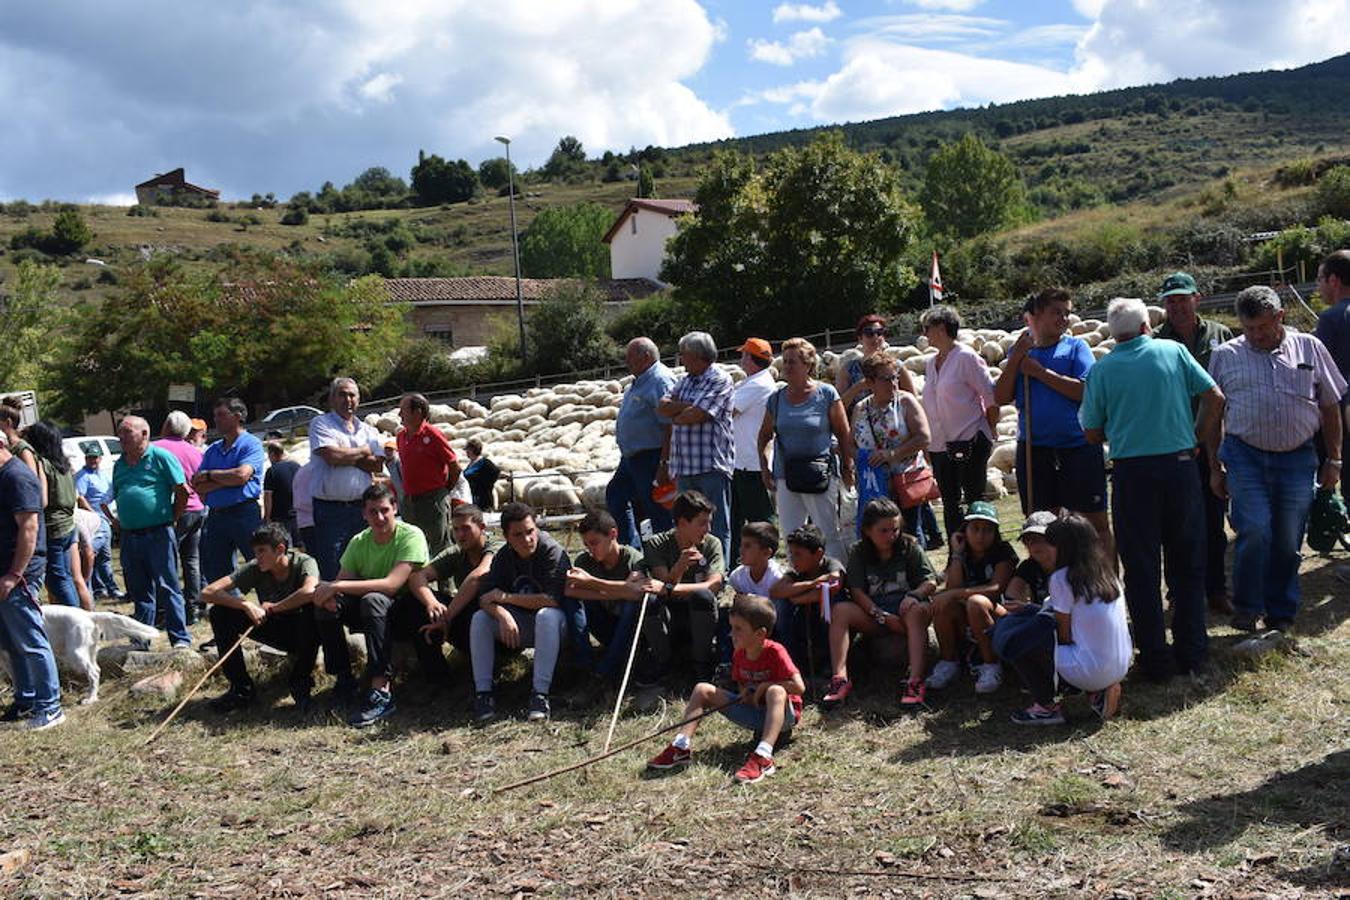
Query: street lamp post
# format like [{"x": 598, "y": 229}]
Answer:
[{"x": 515, "y": 243}]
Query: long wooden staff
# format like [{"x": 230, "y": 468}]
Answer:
[
  {"x": 196, "y": 687},
  {"x": 632, "y": 654}
]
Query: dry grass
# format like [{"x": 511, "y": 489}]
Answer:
[{"x": 1231, "y": 785}]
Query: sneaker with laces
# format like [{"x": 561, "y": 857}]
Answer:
[
  {"x": 539, "y": 708},
  {"x": 839, "y": 690},
  {"x": 1035, "y": 714},
  {"x": 379, "y": 706},
  {"x": 670, "y": 758},
  {"x": 1105, "y": 703},
  {"x": 944, "y": 673},
  {"x": 44, "y": 720},
  {"x": 988, "y": 678},
  {"x": 756, "y": 768},
  {"x": 234, "y": 698},
  {"x": 484, "y": 707},
  {"x": 912, "y": 698}
]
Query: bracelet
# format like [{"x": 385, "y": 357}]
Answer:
[{"x": 1334, "y": 462}]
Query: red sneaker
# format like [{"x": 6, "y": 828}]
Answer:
[
  {"x": 671, "y": 757},
  {"x": 839, "y": 690},
  {"x": 911, "y": 700},
  {"x": 755, "y": 768}
]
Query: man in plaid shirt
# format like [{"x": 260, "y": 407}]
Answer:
[{"x": 700, "y": 452}]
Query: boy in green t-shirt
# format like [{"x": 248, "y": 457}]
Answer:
[
  {"x": 687, "y": 562},
  {"x": 611, "y": 580},
  {"x": 456, "y": 572},
  {"x": 370, "y": 596},
  {"x": 284, "y": 580}
]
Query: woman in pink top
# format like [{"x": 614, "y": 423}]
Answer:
[
  {"x": 173, "y": 438},
  {"x": 958, "y": 397}
]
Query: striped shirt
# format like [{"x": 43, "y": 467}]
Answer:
[
  {"x": 1274, "y": 397},
  {"x": 708, "y": 446}
]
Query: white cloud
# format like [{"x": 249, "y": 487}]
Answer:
[
  {"x": 805, "y": 12},
  {"x": 932, "y": 27},
  {"x": 1044, "y": 36},
  {"x": 953, "y": 5},
  {"x": 802, "y": 45},
  {"x": 280, "y": 97}
]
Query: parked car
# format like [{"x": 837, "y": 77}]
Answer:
[
  {"x": 289, "y": 420},
  {"x": 76, "y": 448}
]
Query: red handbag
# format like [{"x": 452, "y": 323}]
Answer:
[{"x": 914, "y": 487}]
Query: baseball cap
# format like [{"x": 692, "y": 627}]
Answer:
[
  {"x": 1178, "y": 283},
  {"x": 758, "y": 348},
  {"x": 1038, "y": 521},
  {"x": 982, "y": 510},
  {"x": 199, "y": 424},
  {"x": 95, "y": 449}
]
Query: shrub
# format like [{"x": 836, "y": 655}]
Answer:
[{"x": 296, "y": 215}]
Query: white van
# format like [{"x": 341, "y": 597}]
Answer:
[{"x": 76, "y": 448}]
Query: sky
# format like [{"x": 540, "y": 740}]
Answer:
[{"x": 265, "y": 95}]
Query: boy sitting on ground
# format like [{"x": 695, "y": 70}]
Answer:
[
  {"x": 796, "y": 596},
  {"x": 611, "y": 580},
  {"x": 687, "y": 561},
  {"x": 769, "y": 696}
]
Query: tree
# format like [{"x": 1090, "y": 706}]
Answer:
[
  {"x": 815, "y": 240},
  {"x": 270, "y": 328},
  {"x": 435, "y": 180},
  {"x": 565, "y": 242},
  {"x": 566, "y": 331},
  {"x": 378, "y": 181},
  {"x": 567, "y": 159},
  {"x": 1333, "y": 192},
  {"x": 496, "y": 173},
  {"x": 69, "y": 231},
  {"x": 971, "y": 189},
  {"x": 646, "y": 183},
  {"x": 28, "y": 319}
]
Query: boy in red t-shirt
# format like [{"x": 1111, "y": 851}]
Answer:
[{"x": 769, "y": 701}]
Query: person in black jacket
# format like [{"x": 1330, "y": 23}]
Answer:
[{"x": 481, "y": 474}]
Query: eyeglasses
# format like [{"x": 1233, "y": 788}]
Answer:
[
  {"x": 876, "y": 331},
  {"x": 887, "y": 376}
]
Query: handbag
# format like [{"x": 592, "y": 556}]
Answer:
[
  {"x": 803, "y": 474},
  {"x": 910, "y": 488},
  {"x": 959, "y": 451}
]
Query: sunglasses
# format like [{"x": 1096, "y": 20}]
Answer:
[{"x": 874, "y": 331}]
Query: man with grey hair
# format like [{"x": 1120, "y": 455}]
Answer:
[
  {"x": 1281, "y": 387},
  {"x": 151, "y": 494},
  {"x": 700, "y": 449},
  {"x": 1138, "y": 399},
  {"x": 640, "y": 432},
  {"x": 346, "y": 453},
  {"x": 188, "y": 530}
]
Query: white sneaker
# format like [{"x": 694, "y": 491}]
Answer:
[
  {"x": 944, "y": 673},
  {"x": 988, "y": 678}
]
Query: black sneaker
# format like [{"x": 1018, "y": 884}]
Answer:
[
  {"x": 345, "y": 692},
  {"x": 539, "y": 709},
  {"x": 16, "y": 713},
  {"x": 1244, "y": 621},
  {"x": 379, "y": 706},
  {"x": 1282, "y": 625},
  {"x": 484, "y": 707},
  {"x": 231, "y": 700},
  {"x": 300, "y": 697}
]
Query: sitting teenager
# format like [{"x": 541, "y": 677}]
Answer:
[
  {"x": 796, "y": 596},
  {"x": 456, "y": 572},
  {"x": 978, "y": 572},
  {"x": 767, "y": 699},
  {"x": 890, "y": 584},
  {"x": 610, "y": 579},
  {"x": 370, "y": 595},
  {"x": 687, "y": 563},
  {"x": 1030, "y": 583},
  {"x": 283, "y": 580},
  {"x": 520, "y": 605},
  {"x": 1088, "y": 645}
]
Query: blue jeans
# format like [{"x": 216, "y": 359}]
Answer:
[
  {"x": 614, "y": 631},
  {"x": 60, "y": 581},
  {"x": 189, "y": 534},
  {"x": 150, "y": 567},
  {"x": 629, "y": 497},
  {"x": 105, "y": 582},
  {"x": 1271, "y": 495},
  {"x": 228, "y": 529},
  {"x": 1157, "y": 508},
  {"x": 717, "y": 488},
  {"x": 36, "y": 687},
  {"x": 335, "y": 523}
]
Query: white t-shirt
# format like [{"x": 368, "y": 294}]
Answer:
[
  {"x": 340, "y": 483},
  {"x": 87, "y": 523},
  {"x": 302, "y": 495},
  {"x": 742, "y": 583},
  {"x": 461, "y": 493},
  {"x": 747, "y": 404},
  {"x": 1101, "y": 650}
]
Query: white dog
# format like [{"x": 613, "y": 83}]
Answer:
[{"x": 75, "y": 634}]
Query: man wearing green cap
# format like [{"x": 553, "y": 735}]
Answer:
[{"x": 1181, "y": 301}]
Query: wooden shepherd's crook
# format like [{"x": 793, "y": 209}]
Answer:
[
  {"x": 632, "y": 654},
  {"x": 196, "y": 687},
  {"x": 1026, "y": 430}
]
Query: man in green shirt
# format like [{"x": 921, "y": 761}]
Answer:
[
  {"x": 687, "y": 563},
  {"x": 611, "y": 580},
  {"x": 282, "y": 617},
  {"x": 456, "y": 572},
  {"x": 370, "y": 596},
  {"x": 1181, "y": 300}
]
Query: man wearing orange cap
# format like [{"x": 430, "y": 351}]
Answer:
[
  {"x": 750, "y": 501},
  {"x": 197, "y": 433}
]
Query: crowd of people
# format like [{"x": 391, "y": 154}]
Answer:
[{"x": 750, "y": 575}]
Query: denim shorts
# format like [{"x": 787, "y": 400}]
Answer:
[{"x": 752, "y": 717}]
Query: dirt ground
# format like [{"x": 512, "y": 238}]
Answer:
[{"x": 1233, "y": 784}]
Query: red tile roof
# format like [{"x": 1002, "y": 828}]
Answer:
[
  {"x": 673, "y": 208},
  {"x": 494, "y": 288}
]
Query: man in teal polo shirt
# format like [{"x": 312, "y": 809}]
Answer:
[
  {"x": 151, "y": 494},
  {"x": 1138, "y": 399}
]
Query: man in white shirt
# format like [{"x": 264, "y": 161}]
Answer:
[
  {"x": 750, "y": 501},
  {"x": 346, "y": 452}
]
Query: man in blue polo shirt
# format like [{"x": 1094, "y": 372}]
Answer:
[
  {"x": 1138, "y": 399},
  {"x": 640, "y": 432},
  {"x": 229, "y": 483},
  {"x": 95, "y": 491}
]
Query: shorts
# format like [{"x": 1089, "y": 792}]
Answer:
[
  {"x": 1072, "y": 478},
  {"x": 889, "y": 603},
  {"x": 752, "y": 717}
]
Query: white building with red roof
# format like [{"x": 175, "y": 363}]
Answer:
[{"x": 637, "y": 239}]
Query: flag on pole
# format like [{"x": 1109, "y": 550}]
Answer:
[{"x": 935, "y": 283}]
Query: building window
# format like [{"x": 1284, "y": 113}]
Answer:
[{"x": 442, "y": 333}]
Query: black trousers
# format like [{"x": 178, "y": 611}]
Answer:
[
  {"x": 381, "y": 619},
  {"x": 961, "y": 483},
  {"x": 294, "y": 632}
]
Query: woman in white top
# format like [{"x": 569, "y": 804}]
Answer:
[
  {"x": 891, "y": 425},
  {"x": 958, "y": 397}
]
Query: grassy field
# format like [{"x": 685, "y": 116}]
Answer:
[{"x": 1234, "y": 784}]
